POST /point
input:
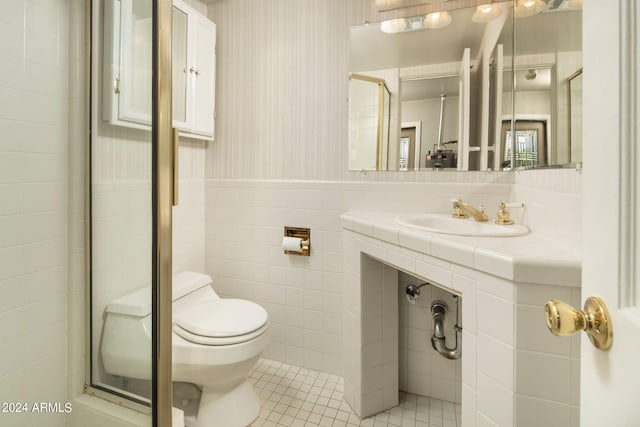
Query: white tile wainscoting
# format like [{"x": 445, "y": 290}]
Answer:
[
  {"x": 304, "y": 295},
  {"x": 513, "y": 371}
]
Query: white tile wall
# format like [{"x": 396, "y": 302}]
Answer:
[
  {"x": 305, "y": 295},
  {"x": 548, "y": 367},
  {"x": 363, "y": 124},
  {"x": 77, "y": 200},
  {"x": 553, "y": 205},
  {"x": 34, "y": 176}
]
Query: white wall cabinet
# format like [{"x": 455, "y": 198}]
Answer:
[
  {"x": 127, "y": 83},
  {"x": 194, "y": 72}
]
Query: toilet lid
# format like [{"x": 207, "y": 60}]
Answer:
[{"x": 220, "y": 318}]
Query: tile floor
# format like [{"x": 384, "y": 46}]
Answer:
[{"x": 293, "y": 397}]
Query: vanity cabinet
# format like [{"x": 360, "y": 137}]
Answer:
[
  {"x": 127, "y": 79},
  {"x": 513, "y": 371}
]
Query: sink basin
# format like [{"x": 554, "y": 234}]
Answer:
[{"x": 445, "y": 224}]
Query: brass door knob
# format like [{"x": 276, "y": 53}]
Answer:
[{"x": 564, "y": 320}]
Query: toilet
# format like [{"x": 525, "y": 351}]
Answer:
[{"x": 216, "y": 343}]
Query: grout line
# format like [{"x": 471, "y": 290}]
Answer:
[{"x": 292, "y": 397}]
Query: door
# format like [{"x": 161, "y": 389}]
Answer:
[
  {"x": 130, "y": 189},
  {"x": 407, "y": 149},
  {"x": 610, "y": 380}
]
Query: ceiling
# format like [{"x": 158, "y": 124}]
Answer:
[{"x": 413, "y": 90}]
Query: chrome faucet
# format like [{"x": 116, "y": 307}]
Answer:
[{"x": 461, "y": 208}]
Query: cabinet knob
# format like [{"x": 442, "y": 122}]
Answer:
[
  {"x": 195, "y": 70},
  {"x": 564, "y": 320}
]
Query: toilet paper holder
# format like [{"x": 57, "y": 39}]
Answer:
[{"x": 299, "y": 233}]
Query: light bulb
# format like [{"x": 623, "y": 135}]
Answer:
[
  {"x": 393, "y": 26},
  {"x": 486, "y": 13},
  {"x": 437, "y": 20},
  {"x": 529, "y": 8}
]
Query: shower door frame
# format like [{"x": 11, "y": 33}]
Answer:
[{"x": 164, "y": 178}]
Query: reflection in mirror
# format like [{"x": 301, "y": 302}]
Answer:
[
  {"x": 368, "y": 122},
  {"x": 533, "y": 102},
  {"x": 429, "y": 112},
  {"x": 548, "y": 53},
  {"x": 450, "y": 57},
  {"x": 575, "y": 116}
]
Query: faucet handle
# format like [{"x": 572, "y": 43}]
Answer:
[
  {"x": 459, "y": 212},
  {"x": 504, "y": 217}
]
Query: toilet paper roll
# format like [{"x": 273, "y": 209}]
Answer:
[{"x": 292, "y": 244}]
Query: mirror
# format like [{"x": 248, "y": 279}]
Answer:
[
  {"x": 548, "y": 56},
  {"x": 433, "y": 78},
  {"x": 470, "y": 127}
]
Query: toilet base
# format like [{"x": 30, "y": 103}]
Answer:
[{"x": 237, "y": 407}]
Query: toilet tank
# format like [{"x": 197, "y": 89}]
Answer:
[
  {"x": 187, "y": 282},
  {"x": 126, "y": 338},
  {"x": 191, "y": 288}
]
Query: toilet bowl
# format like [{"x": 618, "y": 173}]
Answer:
[{"x": 216, "y": 343}]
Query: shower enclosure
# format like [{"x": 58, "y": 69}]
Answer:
[
  {"x": 369, "y": 123},
  {"x": 131, "y": 190}
]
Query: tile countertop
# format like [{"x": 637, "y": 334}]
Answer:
[{"x": 529, "y": 258}]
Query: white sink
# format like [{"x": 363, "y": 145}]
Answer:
[{"x": 446, "y": 224}]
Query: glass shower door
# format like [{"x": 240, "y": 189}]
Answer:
[{"x": 130, "y": 182}]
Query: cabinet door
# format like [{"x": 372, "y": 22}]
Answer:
[
  {"x": 134, "y": 101},
  {"x": 180, "y": 72},
  {"x": 127, "y": 63},
  {"x": 203, "y": 77}
]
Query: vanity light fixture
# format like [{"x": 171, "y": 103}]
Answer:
[
  {"x": 437, "y": 20},
  {"x": 527, "y": 8},
  {"x": 393, "y": 26},
  {"x": 486, "y": 13},
  {"x": 402, "y": 25}
]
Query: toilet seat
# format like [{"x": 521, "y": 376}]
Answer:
[{"x": 221, "y": 322}]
